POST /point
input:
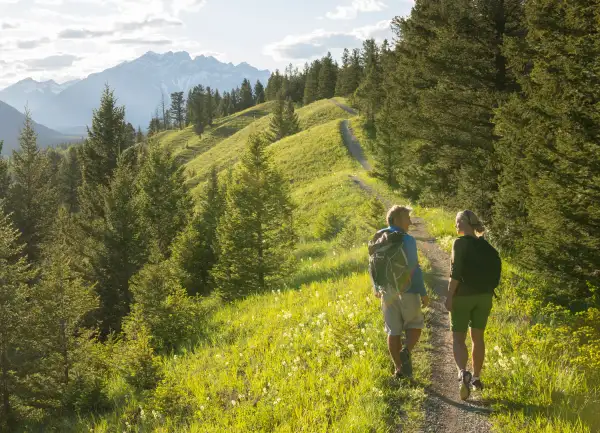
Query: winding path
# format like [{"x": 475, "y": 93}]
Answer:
[{"x": 444, "y": 411}]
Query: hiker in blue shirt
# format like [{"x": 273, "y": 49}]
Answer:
[{"x": 402, "y": 312}]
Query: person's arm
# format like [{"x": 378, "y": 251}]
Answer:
[
  {"x": 415, "y": 272},
  {"x": 456, "y": 272}
]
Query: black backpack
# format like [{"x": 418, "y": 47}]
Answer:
[
  {"x": 388, "y": 265},
  {"x": 484, "y": 267}
]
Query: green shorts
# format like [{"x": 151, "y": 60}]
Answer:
[{"x": 470, "y": 311}]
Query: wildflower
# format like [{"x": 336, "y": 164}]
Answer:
[
  {"x": 327, "y": 392},
  {"x": 365, "y": 344},
  {"x": 338, "y": 353},
  {"x": 363, "y": 330},
  {"x": 316, "y": 294},
  {"x": 351, "y": 346},
  {"x": 241, "y": 397},
  {"x": 233, "y": 402},
  {"x": 351, "y": 315},
  {"x": 201, "y": 407},
  {"x": 290, "y": 374},
  {"x": 525, "y": 358},
  {"x": 284, "y": 363}
]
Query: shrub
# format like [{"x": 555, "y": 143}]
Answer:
[{"x": 328, "y": 225}]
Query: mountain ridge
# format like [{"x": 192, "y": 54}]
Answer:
[
  {"x": 138, "y": 85},
  {"x": 11, "y": 122}
]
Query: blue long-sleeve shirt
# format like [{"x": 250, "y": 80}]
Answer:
[{"x": 409, "y": 245}]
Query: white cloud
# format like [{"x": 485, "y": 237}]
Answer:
[
  {"x": 357, "y": 6},
  {"x": 318, "y": 42}
]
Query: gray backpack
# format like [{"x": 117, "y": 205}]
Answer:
[{"x": 388, "y": 264}]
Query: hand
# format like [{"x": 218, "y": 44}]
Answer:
[
  {"x": 424, "y": 301},
  {"x": 378, "y": 294},
  {"x": 448, "y": 303}
]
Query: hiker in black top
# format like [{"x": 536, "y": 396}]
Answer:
[{"x": 470, "y": 292}]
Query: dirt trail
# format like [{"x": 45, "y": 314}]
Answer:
[
  {"x": 445, "y": 412},
  {"x": 350, "y": 139}
]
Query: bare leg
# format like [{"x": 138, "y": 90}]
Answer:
[
  {"x": 461, "y": 355},
  {"x": 394, "y": 346},
  {"x": 412, "y": 338},
  {"x": 478, "y": 350}
]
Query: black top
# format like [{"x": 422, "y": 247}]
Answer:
[{"x": 466, "y": 266}]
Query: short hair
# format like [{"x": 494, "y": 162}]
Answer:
[{"x": 395, "y": 211}]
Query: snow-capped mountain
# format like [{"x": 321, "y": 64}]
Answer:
[
  {"x": 138, "y": 85},
  {"x": 32, "y": 93}
]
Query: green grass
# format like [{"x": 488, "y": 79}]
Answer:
[
  {"x": 320, "y": 112},
  {"x": 310, "y": 357},
  {"x": 313, "y": 153},
  {"x": 187, "y": 145},
  {"x": 226, "y": 152},
  {"x": 305, "y": 359},
  {"x": 543, "y": 363}
]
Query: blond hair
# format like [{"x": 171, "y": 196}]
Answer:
[
  {"x": 394, "y": 212},
  {"x": 473, "y": 220}
]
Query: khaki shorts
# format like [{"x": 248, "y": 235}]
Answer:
[{"x": 402, "y": 312}]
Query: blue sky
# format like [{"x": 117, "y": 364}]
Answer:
[{"x": 66, "y": 39}]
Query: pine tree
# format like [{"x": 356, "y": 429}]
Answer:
[
  {"x": 274, "y": 85},
  {"x": 450, "y": 77},
  {"x": 278, "y": 126},
  {"x": 311, "y": 89},
  {"x": 70, "y": 180},
  {"x": 100, "y": 152},
  {"x": 209, "y": 107},
  {"x": 139, "y": 135},
  {"x": 370, "y": 93},
  {"x": 342, "y": 79},
  {"x": 235, "y": 100},
  {"x": 62, "y": 302},
  {"x": 327, "y": 78},
  {"x": 548, "y": 200},
  {"x": 196, "y": 249},
  {"x": 162, "y": 305},
  {"x": 256, "y": 236},
  {"x": 259, "y": 93},
  {"x": 32, "y": 198},
  {"x": 198, "y": 105},
  {"x": 246, "y": 96},
  {"x": 163, "y": 200},
  {"x": 386, "y": 146},
  {"x": 15, "y": 275},
  {"x": 166, "y": 117},
  {"x": 354, "y": 75},
  {"x": 115, "y": 249},
  {"x": 4, "y": 176},
  {"x": 177, "y": 110},
  {"x": 291, "y": 120},
  {"x": 217, "y": 103}
]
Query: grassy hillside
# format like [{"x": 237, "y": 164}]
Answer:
[
  {"x": 543, "y": 363},
  {"x": 186, "y": 144},
  {"x": 308, "y": 357}
]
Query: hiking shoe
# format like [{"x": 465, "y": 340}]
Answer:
[
  {"x": 477, "y": 385},
  {"x": 465, "y": 384},
  {"x": 398, "y": 375},
  {"x": 407, "y": 368}
]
